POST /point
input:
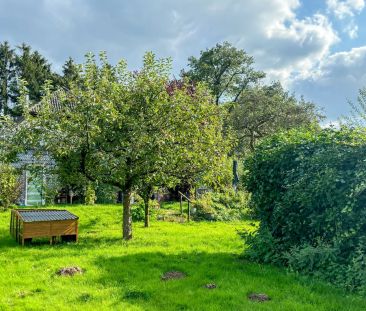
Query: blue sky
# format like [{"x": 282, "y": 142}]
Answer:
[{"x": 315, "y": 48}]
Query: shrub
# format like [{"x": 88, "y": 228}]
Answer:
[
  {"x": 90, "y": 196},
  {"x": 225, "y": 206},
  {"x": 261, "y": 246},
  {"x": 9, "y": 185},
  {"x": 309, "y": 193},
  {"x": 138, "y": 209}
]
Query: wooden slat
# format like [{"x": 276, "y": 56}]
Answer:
[{"x": 49, "y": 229}]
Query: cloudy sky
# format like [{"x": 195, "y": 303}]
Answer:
[{"x": 316, "y": 48}]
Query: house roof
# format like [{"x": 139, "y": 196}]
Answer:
[
  {"x": 55, "y": 103},
  {"x": 29, "y": 158}
]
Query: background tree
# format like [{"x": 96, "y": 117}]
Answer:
[
  {"x": 124, "y": 126},
  {"x": 7, "y": 77},
  {"x": 264, "y": 110},
  {"x": 33, "y": 68},
  {"x": 357, "y": 116},
  {"x": 70, "y": 73},
  {"x": 226, "y": 70}
]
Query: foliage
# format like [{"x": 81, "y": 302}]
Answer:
[
  {"x": 7, "y": 77},
  {"x": 124, "y": 129},
  {"x": 308, "y": 192},
  {"x": 90, "y": 196},
  {"x": 261, "y": 246},
  {"x": 138, "y": 210},
  {"x": 9, "y": 185},
  {"x": 106, "y": 194},
  {"x": 226, "y": 205},
  {"x": 208, "y": 252},
  {"x": 8, "y": 149},
  {"x": 35, "y": 70},
  {"x": 24, "y": 63},
  {"x": 264, "y": 110},
  {"x": 357, "y": 116},
  {"x": 48, "y": 184},
  {"x": 70, "y": 73},
  {"x": 226, "y": 70}
]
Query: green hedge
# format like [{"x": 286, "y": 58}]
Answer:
[{"x": 309, "y": 193}]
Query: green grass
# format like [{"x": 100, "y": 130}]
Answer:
[{"x": 126, "y": 275}]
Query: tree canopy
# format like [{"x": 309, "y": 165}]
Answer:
[
  {"x": 265, "y": 110},
  {"x": 8, "y": 82},
  {"x": 226, "y": 70},
  {"x": 357, "y": 117},
  {"x": 122, "y": 127}
]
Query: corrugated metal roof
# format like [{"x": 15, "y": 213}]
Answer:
[{"x": 46, "y": 215}]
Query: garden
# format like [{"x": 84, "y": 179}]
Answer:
[{"x": 130, "y": 189}]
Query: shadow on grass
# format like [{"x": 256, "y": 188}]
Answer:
[
  {"x": 136, "y": 280},
  {"x": 8, "y": 242}
]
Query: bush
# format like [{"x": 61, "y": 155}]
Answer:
[
  {"x": 309, "y": 193},
  {"x": 222, "y": 206},
  {"x": 138, "y": 209},
  {"x": 9, "y": 185},
  {"x": 90, "y": 196}
]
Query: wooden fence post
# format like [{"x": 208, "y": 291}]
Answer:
[
  {"x": 189, "y": 212},
  {"x": 181, "y": 205}
]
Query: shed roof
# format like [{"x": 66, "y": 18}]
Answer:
[{"x": 46, "y": 215}]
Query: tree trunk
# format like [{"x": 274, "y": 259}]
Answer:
[
  {"x": 127, "y": 218},
  {"x": 147, "y": 216},
  {"x": 235, "y": 175}
]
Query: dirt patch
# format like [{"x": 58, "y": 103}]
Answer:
[
  {"x": 173, "y": 275},
  {"x": 70, "y": 271},
  {"x": 258, "y": 297},
  {"x": 210, "y": 286}
]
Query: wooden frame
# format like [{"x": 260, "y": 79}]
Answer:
[{"x": 23, "y": 230}]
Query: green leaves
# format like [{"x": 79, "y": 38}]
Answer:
[
  {"x": 226, "y": 70},
  {"x": 126, "y": 129},
  {"x": 264, "y": 110},
  {"x": 9, "y": 185},
  {"x": 308, "y": 191}
]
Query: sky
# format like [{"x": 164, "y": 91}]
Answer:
[{"x": 315, "y": 48}]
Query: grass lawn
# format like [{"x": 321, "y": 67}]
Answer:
[{"x": 127, "y": 276}]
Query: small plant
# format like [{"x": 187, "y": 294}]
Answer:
[
  {"x": 138, "y": 209},
  {"x": 90, "y": 196}
]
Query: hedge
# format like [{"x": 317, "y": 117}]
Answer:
[{"x": 309, "y": 194}]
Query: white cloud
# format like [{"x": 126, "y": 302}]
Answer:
[
  {"x": 300, "y": 47},
  {"x": 352, "y": 30},
  {"x": 294, "y": 49},
  {"x": 285, "y": 46},
  {"x": 346, "y": 66},
  {"x": 345, "y": 8},
  {"x": 339, "y": 78},
  {"x": 345, "y": 11}
]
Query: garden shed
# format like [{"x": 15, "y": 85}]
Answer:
[{"x": 26, "y": 224}]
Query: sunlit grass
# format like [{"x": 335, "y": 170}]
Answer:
[{"x": 127, "y": 275}]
